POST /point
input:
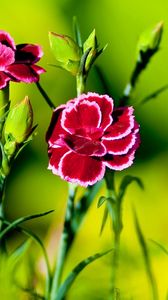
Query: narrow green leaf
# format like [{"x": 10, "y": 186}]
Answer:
[
  {"x": 160, "y": 246},
  {"x": 83, "y": 205},
  {"x": 30, "y": 291},
  {"x": 104, "y": 220},
  {"x": 101, "y": 200},
  {"x": 19, "y": 252},
  {"x": 102, "y": 50},
  {"x": 39, "y": 243},
  {"x": 74, "y": 273},
  {"x": 103, "y": 83},
  {"x": 155, "y": 94},
  {"x": 146, "y": 256},
  {"x": 77, "y": 32},
  {"x": 83, "y": 61},
  {"x": 56, "y": 66},
  {"x": 126, "y": 182},
  {"x": 19, "y": 221}
]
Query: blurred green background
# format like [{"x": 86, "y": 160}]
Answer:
[{"x": 32, "y": 188}]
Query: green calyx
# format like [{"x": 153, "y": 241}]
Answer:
[
  {"x": 66, "y": 52},
  {"x": 18, "y": 125}
]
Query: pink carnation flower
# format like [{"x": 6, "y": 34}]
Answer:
[
  {"x": 87, "y": 135},
  {"x": 17, "y": 63}
]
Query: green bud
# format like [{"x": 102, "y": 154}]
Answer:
[
  {"x": 149, "y": 41},
  {"x": 90, "y": 43},
  {"x": 66, "y": 52},
  {"x": 18, "y": 124}
]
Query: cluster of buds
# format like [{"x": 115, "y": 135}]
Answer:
[
  {"x": 16, "y": 130},
  {"x": 72, "y": 56}
]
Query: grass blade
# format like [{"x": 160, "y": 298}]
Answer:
[
  {"x": 21, "y": 220},
  {"x": 39, "y": 243},
  {"x": 160, "y": 246},
  {"x": 126, "y": 181},
  {"x": 77, "y": 32},
  {"x": 104, "y": 220},
  {"x": 146, "y": 258},
  {"x": 72, "y": 276},
  {"x": 154, "y": 95}
]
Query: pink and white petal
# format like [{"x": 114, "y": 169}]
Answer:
[
  {"x": 55, "y": 128},
  {"x": 3, "y": 80},
  {"x": 22, "y": 73},
  {"x": 37, "y": 69},
  {"x": 55, "y": 155},
  {"x": 28, "y": 53},
  {"x": 123, "y": 123},
  {"x": 7, "y": 56},
  {"x": 80, "y": 169},
  {"x": 120, "y": 162},
  {"x": 83, "y": 114},
  {"x": 6, "y": 39},
  {"x": 105, "y": 103},
  {"x": 120, "y": 146}
]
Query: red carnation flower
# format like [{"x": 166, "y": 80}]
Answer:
[
  {"x": 87, "y": 135},
  {"x": 17, "y": 63}
]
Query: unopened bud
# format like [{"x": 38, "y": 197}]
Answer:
[
  {"x": 18, "y": 124},
  {"x": 149, "y": 41},
  {"x": 66, "y": 52},
  {"x": 90, "y": 43}
]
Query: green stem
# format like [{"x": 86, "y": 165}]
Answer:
[
  {"x": 80, "y": 84},
  {"x": 114, "y": 207},
  {"x": 45, "y": 96},
  {"x": 64, "y": 244},
  {"x": 2, "y": 214}
]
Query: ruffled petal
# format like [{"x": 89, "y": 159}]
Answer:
[
  {"x": 55, "y": 129},
  {"x": 55, "y": 155},
  {"x": 23, "y": 73},
  {"x": 28, "y": 53},
  {"x": 120, "y": 146},
  {"x": 120, "y": 162},
  {"x": 123, "y": 123},
  {"x": 105, "y": 103},
  {"x": 6, "y": 39},
  {"x": 80, "y": 169},
  {"x": 3, "y": 80},
  {"x": 7, "y": 56},
  {"x": 83, "y": 114},
  {"x": 37, "y": 69}
]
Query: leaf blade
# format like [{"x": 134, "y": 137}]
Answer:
[
  {"x": 146, "y": 256},
  {"x": 126, "y": 181},
  {"x": 21, "y": 220},
  {"x": 74, "y": 273}
]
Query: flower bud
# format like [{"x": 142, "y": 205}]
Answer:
[
  {"x": 66, "y": 52},
  {"x": 149, "y": 41},
  {"x": 18, "y": 124},
  {"x": 90, "y": 43}
]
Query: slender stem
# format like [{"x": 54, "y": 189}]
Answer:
[
  {"x": 45, "y": 96},
  {"x": 4, "y": 102},
  {"x": 114, "y": 208},
  {"x": 2, "y": 214},
  {"x": 80, "y": 84},
  {"x": 64, "y": 244}
]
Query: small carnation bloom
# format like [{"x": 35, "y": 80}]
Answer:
[
  {"x": 87, "y": 135},
  {"x": 18, "y": 62}
]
